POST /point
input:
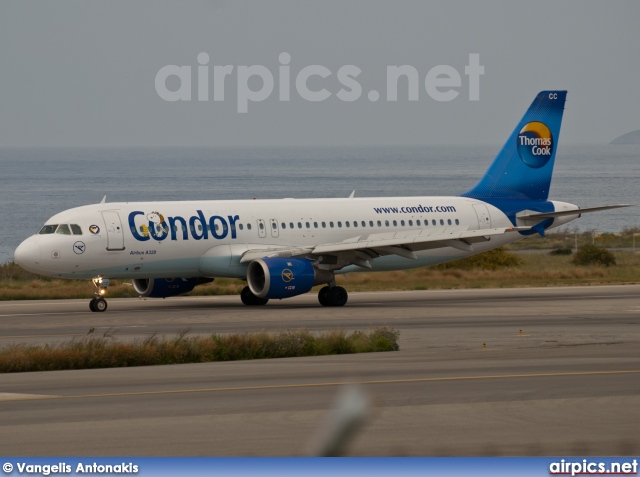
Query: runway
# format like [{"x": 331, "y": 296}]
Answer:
[{"x": 552, "y": 371}]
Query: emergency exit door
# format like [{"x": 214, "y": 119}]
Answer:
[{"x": 484, "y": 218}]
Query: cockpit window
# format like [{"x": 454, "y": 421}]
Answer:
[
  {"x": 76, "y": 229},
  {"x": 48, "y": 229},
  {"x": 63, "y": 229}
]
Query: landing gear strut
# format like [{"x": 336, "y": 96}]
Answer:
[
  {"x": 333, "y": 296},
  {"x": 98, "y": 303},
  {"x": 249, "y": 299}
]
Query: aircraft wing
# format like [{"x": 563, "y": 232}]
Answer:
[{"x": 360, "y": 249}]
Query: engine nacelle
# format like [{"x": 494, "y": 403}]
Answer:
[
  {"x": 165, "y": 287},
  {"x": 284, "y": 277}
]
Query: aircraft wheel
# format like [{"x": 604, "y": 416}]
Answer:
[
  {"x": 246, "y": 296},
  {"x": 92, "y": 304},
  {"x": 338, "y": 296},
  {"x": 249, "y": 299},
  {"x": 323, "y": 296},
  {"x": 99, "y": 304},
  {"x": 260, "y": 301}
]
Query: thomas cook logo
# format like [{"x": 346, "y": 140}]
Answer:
[
  {"x": 287, "y": 275},
  {"x": 535, "y": 144},
  {"x": 94, "y": 229}
]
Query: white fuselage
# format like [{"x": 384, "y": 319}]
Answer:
[{"x": 208, "y": 238}]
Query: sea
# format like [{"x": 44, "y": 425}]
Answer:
[{"x": 36, "y": 183}]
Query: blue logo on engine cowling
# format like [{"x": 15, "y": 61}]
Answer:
[
  {"x": 535, "y": 144},
  {"x": 287, "y": 275},
  {"x": 155, "y": 226}
]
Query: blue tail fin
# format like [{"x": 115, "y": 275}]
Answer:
[{"x": 523, "y": 168}]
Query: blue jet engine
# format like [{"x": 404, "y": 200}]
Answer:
[{"x": 284, "y": 277}]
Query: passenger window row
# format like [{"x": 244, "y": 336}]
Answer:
[
  {"x": 364, "y": 224},
  {"x": 348, "y": 224}
]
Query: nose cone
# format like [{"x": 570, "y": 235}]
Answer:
[{"x": 27, "y": 255}]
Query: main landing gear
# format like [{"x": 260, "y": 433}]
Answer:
[
  {"x": 327, "y": 296},
  {"x": 98, "y": 303},
  {"x": 249, "y": 299},
  {"x": 333, "y": 296}
]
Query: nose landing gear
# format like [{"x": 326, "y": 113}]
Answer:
[{"x": 98, "y": 303}]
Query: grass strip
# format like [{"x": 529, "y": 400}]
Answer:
[
  {"x": 91, "y": 352},
  {"x": 568, "y": 237},
  {"x": 495, "y": 269}
]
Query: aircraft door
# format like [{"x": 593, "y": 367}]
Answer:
[
  {"x": 262, "y": 229},
  {"x": 274, "y": 227},
  {"x": 484, "y": 218},
  {"x": 115, "y": 237}
]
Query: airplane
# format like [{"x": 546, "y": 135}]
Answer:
[{"x": 284, "y": 247}]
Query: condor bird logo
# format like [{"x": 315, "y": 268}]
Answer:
[
  {"x": 287, "y": 275},
  {"x": 535, "y": 144}
]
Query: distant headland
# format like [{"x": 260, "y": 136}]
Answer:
[{"x": 632, "y": 137}]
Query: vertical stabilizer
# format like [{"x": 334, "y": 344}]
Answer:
[{"x": 523, "y": 167}]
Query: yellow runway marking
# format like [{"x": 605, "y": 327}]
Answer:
[
  {"x": 23, "y": 397},
  {"x": 326, "y": 384}
]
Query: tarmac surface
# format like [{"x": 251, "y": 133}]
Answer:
[{"x": 559, "y": 375}]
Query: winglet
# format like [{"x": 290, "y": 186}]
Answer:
[
  {"x": 353, "y": 194},
  {"x": 104, "y": 199}
]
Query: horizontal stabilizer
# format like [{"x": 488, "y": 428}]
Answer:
[{"x": 564, "y": 213}]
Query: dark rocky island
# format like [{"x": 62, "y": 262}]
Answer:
[{"x": 632, "y": 137}]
